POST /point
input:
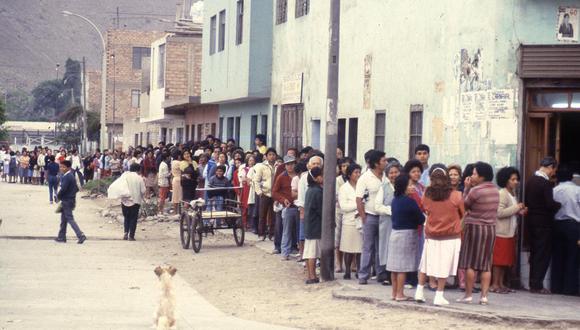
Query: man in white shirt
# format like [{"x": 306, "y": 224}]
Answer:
[
  {"x": 564, "y": 277},
  {"x": 367, "y": 188},
  {"x": 131, "y": 205}
]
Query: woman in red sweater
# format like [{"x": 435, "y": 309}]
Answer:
[{"x": 444, "y": 208}]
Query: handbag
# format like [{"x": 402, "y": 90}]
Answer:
[{"x": 58, "y": 208}]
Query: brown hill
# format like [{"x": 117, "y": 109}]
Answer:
[{"x": 34, "y": 35}]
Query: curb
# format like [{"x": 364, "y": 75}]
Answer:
[{"x": 486, "y": 317}]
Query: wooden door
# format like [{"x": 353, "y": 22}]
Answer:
[
  {"x": 537, "y": 141},
  {"x": 291, "y": 127}
]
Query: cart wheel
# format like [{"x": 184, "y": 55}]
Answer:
[
  {"x": 196, "y": 231},
  {"x": 185, "y": 230},
  {"x": 239, "y": 232}
]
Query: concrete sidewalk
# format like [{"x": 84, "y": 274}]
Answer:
[
  {"x": 101, "y": 284},
  {"x": 514, "y": 309}
]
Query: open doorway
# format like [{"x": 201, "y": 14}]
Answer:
[
  {"x": 570, "y": 138},
  {"x": 552, "y": 127}
]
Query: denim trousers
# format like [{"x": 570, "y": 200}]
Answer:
[
  {"x": 370, "y": 248},
  {"x": 52, "y": 187},
  {"x": 66, "y": 218},
  {"x": 289, "y": 221}
]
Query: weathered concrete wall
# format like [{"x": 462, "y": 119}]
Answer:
[
  {"x": 457, "y": 59},
  {"x": 246, "y": 110},
  {"x": 300, "y": 46}
]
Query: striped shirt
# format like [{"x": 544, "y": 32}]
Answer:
[{"x": 481, "y": 204}]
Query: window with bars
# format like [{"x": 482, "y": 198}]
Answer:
[
  {"x": 416, "y": 128},
  {"x": 281, "y": 11},
  {"x": 212, "y": 34},
  {"x": 240, "y": 22},
  {"x": 380, "y": 119},
  {"x": 253, "y": 129},
  {"x": 302, "y": 7},
  {"x": 200, "y": 131},
  {"x": 222, "y": 31},
  {"x": 135, "y": 98},
  {"x": 264, "y": 123},
  {"x": 230, "y": 129},
  {"x": 352, "y": 137},
  {"x": 161, "y": 67},
  {"x": 187, "y": 133},
  {"x": 221, "y": 131},
  {"x": 138, "y": 54},
  {"x": 237, "y": 130}
]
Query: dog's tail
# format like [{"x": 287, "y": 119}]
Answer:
[{"x": 163, "y": 323}]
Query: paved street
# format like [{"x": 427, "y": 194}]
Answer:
[
  {"x": 108, "y": 283},
  {"x": 101, "y": 284}
]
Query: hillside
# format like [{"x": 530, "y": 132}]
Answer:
[{"x": 34, "y": 35}]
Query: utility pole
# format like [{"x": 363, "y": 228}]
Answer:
[
  {"x": 84, "y": 120},
  {"x": 118, "y": 23},
  {"x": 329, "y": 196}
]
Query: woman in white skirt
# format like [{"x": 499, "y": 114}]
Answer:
[
  {"x": 440, "y": 258},
  {"x": 406, "y": 218},
  {"x": 351, "y": 235}
]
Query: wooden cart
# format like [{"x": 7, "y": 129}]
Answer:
[{"x": 199, "y": 219}]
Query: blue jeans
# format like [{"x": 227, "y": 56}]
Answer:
[
  {"x": 278, "y": 231},
  {"x": 370, "y": 248},
  {"x": 52, "y": 186},
  {"x": 289, "y": 218}
]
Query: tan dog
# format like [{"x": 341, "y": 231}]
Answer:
[{"x": 165, "y": 316}]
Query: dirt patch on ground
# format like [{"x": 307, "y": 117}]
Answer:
[{"x": 249, "y": 283}]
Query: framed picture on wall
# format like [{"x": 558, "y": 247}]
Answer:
[{"x": 567, "y": 28}]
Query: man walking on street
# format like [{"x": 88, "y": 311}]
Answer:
[
  {"x": 69, "y": 186},
  {"x": 542, "y": 208},
  {"x": 131, "y": 205}
]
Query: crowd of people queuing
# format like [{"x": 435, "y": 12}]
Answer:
[{"x": 403, "y": 224}]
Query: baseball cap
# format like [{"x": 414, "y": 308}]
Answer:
[{"x": 289, "y": 159}]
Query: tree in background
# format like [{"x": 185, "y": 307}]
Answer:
[
  {"x": 48, "y": 99},
  {"x": 19, "y": 105}
]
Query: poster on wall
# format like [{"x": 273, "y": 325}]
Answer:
[{"x": 567, "y": 28}]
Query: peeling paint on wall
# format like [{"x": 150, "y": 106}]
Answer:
[{"x": 368, "y": 63}]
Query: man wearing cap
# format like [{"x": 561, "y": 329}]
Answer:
[
  {"x": 69, "y": 186},
  {"x": 283, "y": 194},
  {"x": 541, "y": 211}
]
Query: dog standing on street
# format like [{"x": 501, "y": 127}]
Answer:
[{"x": 165, "y": 316}]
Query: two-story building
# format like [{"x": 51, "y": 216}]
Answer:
[{"x": 237, "y": 65}]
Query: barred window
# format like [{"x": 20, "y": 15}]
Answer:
[
  {"x": 416, "y": 128},
  {"x": 302, "y": 7},
  {"x": 281, "y": 11}
]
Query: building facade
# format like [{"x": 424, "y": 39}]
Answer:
[
  {"x": 500, "y": 87},
  {"x": 126, "y": 51},
  {"x": 237, "y": 64},
  {"x": 171, "y": 89}
]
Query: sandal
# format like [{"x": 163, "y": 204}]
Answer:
[
  {"x": 404, "y": 299},
  {"x": 499, "y": 291},
  {"x": 483, "y": 301},
  {"x": 542, "y": 291},
  {"x": 465, "y": 300}
]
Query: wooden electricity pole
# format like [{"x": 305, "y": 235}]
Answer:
[{"x": 329, "y": 197}]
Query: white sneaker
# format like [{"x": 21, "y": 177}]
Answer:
[
  {"x": 408, "y": 286},
  {"x": 419, "y": 296},
  {"x": 440, "y": 301}
]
